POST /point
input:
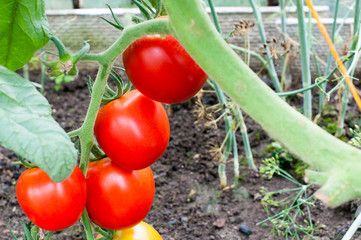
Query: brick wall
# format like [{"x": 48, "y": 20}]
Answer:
[{"x": 75, "y": 26}]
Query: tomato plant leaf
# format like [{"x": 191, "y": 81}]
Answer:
[
  {"x": 28, "y": 128},
  {"x": 23, "y": 31}
]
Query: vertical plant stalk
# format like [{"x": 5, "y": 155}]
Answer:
[
  {"x": 329, "y": 58},
  {"x": 286, "y": 76},
  {"x": 246, "y": 144},
  {"x": 225, "y": 155},
  {"x": 228, "y": 119},
  {"x": 235, "y": 159},
  {"x": 312, "y": 46},
  {"x": 273, "y": 73},
  {"x": 43, "y": 77},
  {"x": 305, "y": 60},
  {"x": 26, "y": 71},
  {"x": 346, "y": 92},
  {"x": 335, "y": 54}
]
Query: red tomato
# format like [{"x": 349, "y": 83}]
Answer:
[
  {"x": 118, "y": 198},
  {"x": 161, "y": 69},
  {"x": 49, "y": 205},
  {"x": 142, "y": 231},
  {"x": 132, "y": 130}
]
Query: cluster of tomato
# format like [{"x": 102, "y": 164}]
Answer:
[{"x": 133, "y": 131}]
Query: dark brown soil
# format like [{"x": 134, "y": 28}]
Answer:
[{"x": 189, "y": 203}]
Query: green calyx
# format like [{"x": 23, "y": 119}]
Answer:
[{"x": 66, "y": 65}]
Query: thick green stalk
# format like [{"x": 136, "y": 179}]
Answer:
[
  {"x": 193, "y": 28},
  {"x": 305, "y": 59},
  {"x": 86, "y": 132},
  {"x": 329, "y": 58},
  {"x": 346, "y": 92},
  {"x": 273, "y": 74}
]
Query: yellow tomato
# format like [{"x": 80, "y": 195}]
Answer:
[{"x": 142, "y": 231}]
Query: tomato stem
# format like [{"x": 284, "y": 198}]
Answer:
[
  {"x": 106, "y": 60},
  {"x": 87, "y": 226}
]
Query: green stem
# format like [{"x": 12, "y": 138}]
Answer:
[
  {"x": 48, "y": 236},
  {"x": 86, "y": 130},
  {"x": 130, "y": 34},
  {"x": 252, "y": 53},
  {"x": 305, "y": 59},
  {"x": 312, "y": 46},
  {"x": 228, "y": 119},
  {"x": 235, "y": 159},
  {"x": 301, "y": 90},
  {"x": 63, "y": 53},
  {"x": 329, "y": 58},
  {"x": 346, "y": 93},
  {"x": 225, "y": 155},
  {"x": 43, "y": 78},
  {"x": 193, "y": 28},
  {"x": 246, "y": 144},
  {"x": 26, "y": 71},
  {"x": 106, "y": 60},
  {"x": 214, "y": 16},
  {"x": 286, "y": 77},
  {"x": 87, "y": 226},
  {"x": 258, "y": 16}
]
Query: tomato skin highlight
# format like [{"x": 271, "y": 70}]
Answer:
[
  {"x": 132, "y": 130},
  {"x": 161, "y": 69},
  {"x": 51, "y": 206},
  {"x": 118, "y": 198}
]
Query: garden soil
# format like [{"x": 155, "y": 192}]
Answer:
[{"x": 189, "y": 203}]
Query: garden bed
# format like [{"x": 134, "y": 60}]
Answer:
[{"x": 189, "y": 203}]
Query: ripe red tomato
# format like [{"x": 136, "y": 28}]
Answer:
[
  {"x": 49, "y": 205},
  {"x": 161, "y": 69},
  {"x": 118, "y": 198},
  {"x": 132, "y": 130},
  {"x": 142, "y": 231}
]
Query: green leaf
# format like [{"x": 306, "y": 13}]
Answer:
[
  {"x": 23, "y": 30},
  {"x": 27, "y": 127}
]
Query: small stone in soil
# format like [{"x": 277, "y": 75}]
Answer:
[
  {"x": 244, "y": 229},
  {"x": 184, "y": 219},
  {"x": 219, "y": 223}
]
